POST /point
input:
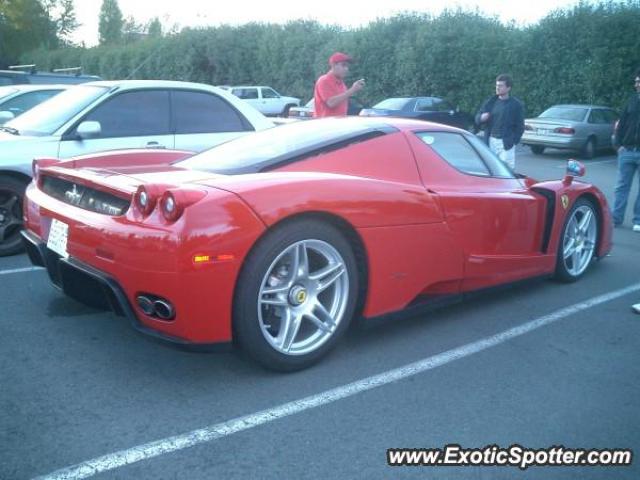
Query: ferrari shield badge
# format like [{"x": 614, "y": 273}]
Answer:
[{"x": 564, "y": 199}]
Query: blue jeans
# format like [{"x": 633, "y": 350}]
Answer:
[{"x": 628, "y": 163}]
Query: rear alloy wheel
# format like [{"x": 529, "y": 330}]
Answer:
[
  {"x": 11, "y": 195},
  {"x": 296, "y": 295},
  {"x": 589, "y": 149},
  {"x": 537, "y": 149},
  {"x": 578, "y": 241}
]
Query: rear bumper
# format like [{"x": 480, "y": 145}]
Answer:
[
  {"x": 555, "y": 141},
  {"x": 97, "y": 289}
]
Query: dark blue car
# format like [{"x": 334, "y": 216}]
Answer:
[{"x": 432, "y": 109}]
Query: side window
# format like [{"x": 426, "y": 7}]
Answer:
[
  {"x": 440, "y": 105},
  {"x": 245, "y": 93},
  {"x": 200, "y": 112},
  {"x": 424, "y": 105},
  {"x": 610, "y": 115},
  {"x": 598, "y": 116},
  {"x": 269, "y": 93},
  {"x": 132, "y": 114},
  {"x": 456, "y": 151},
  {"x": 27, "y": 101}
]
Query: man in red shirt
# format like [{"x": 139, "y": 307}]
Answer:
[{"x": 331, "y": 95}]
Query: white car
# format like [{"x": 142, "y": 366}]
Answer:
[
  {"x": 17, "y": 99},
  {"x": 265, "y": 99},
  {"x": 98, "y": 116}
]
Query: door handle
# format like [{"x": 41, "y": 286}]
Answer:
[{"x": 154, "y": 145}]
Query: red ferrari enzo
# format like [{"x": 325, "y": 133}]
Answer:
[{"x": 278, "y": 239}]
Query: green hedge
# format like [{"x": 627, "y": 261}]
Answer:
[{"x": 585, "y": 54}]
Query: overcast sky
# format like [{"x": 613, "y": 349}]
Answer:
[{"x": 192, "y": 13}]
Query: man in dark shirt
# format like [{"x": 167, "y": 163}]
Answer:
[
  {"x": 627, "y": 140},
  {"x": 502, "y": 116}
]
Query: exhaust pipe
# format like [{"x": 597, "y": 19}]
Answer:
[
  {"x": 164, "y": 309},
  {"x": 146, "y": 305}
]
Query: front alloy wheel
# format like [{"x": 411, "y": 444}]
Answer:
[{"x": 578, "y": 243}]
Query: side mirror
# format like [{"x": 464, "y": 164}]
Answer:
[
  {"x": 574, "y": 169},
  {"x": 5, "y": 116},
  {"x": 89, "y": 129}
]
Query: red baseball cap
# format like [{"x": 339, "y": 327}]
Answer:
[{"x": 339, "y": 57}]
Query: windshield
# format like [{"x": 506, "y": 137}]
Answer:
[
  {"x": 6, "y": 91},
  {"x": 50, "y": 115},
  {"x": 260, "y": 147},
  {"x": 392, "y": 104},
  {"x": 574, "y": 114}
]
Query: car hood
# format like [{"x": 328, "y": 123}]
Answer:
[{"x": 18, "y": 151}]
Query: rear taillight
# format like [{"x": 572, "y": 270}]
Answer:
[
  {"x": 39, "y": 163},
  {"x": 173, "y": 202},
  {"x": 146, "y": 197},
  {"x": 565, "y": 130},
  {"x": 170, "y": 209},
  {"x": 528, "y": 127}
]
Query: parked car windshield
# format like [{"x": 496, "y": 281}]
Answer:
[
  {"x": 50, "y": 115},
  {"x": 6, "y": 91},
  {"x": 260, "y": 147},
  {"x": 392, "y": 104},
  {"x": 574, "y": 114}
]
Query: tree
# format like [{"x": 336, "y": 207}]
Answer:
[
  {"x": 111, "y": 23},
  {"x": 63, "y": 16},
  {"x": 24, "y": 26},
  {"x": 132, "y": 31},
  {"x": 154, "y": 29}
]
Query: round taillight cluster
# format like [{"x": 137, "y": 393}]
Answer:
[
  {"x": 170, "y": 208},
  {"x": 145, "y": 200},
  {"x": 169, "y": 200}
]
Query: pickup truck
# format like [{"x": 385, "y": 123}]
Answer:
[{"x": 265, "y": 99}]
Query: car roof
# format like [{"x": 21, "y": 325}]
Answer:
[
  {"x": 404, "y": 124},
  {"x": 136, "y": 84},
  {"x": 30, "y": 87},
  {"x": 580, "y": 105}
]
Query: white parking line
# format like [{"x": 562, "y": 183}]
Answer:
[
  {"x": 20, "y": 270},
  {"x": 221, "y": 430}
]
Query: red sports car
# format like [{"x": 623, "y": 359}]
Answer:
[{"x": 278, "y": 239}]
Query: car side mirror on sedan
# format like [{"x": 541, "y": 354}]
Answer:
[
  {"x": 5, "y": 116},
  {"x": 89, "y": 129}
]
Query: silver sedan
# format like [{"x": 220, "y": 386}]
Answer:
[{"x": 584, "y": 128}]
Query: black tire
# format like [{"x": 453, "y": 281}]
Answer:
[
  {"x": 537, "y": 149},
  {"x": 589, "y": 149},
  {"x": 253, "y": 321},
  {"x": 563, "y": 271},
  {"x": 285, "y": 111},
  {"x": 11, "y": 197}
]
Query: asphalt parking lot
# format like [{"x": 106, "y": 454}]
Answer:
[{"x": 80, "y": 389}]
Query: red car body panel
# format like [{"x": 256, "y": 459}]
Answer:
[{"x": 426, "y": 229}]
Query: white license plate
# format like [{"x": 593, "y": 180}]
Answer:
[
  {"x": 543, "y": 131},
  {"x": 58, "y": 235}
]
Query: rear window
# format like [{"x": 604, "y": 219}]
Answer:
[
  {"x": 574, "y": 114},
  {"x": 264, "y": 149}
]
